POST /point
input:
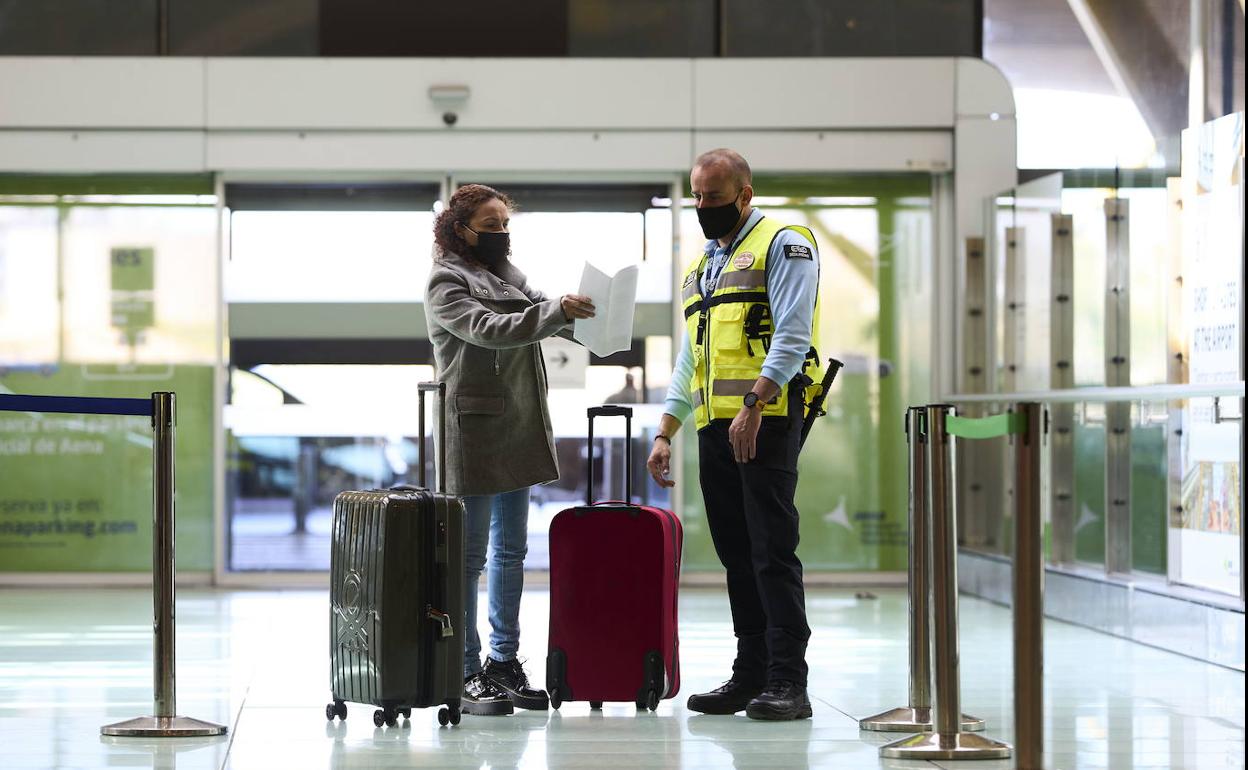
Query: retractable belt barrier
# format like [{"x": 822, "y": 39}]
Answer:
[
  {"x": 934, "y": 592},
  {"x": 162, "y": 409},
  {"x": 917, "y": 716}
]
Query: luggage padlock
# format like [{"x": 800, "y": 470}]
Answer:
[{"x": 442, "y": 619}]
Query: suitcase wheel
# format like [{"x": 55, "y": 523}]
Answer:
[
  {"x": 336, "y": 709},
  {"x": 406, "y": 713},
  {"x": 448, "y": 716},
  {"x": 651, "y": 701},
  {"x": 595, "y": 705},
  {"x": 556, "y": 700},
  {"x": 387, "y": 717}
]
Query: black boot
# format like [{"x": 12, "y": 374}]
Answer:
[
  {"x": 780, "y": 702},
  {"x": 509, "y": 677},
  {"x": 482, "y": 698},
  {"x": 729, "y": 698}
]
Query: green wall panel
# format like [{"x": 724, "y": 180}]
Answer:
[{"x": 76, "y": 490}]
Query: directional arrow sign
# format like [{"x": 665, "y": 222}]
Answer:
[{"x": 566, "y": 363}]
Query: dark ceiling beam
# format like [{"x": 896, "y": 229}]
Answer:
[{"x": 1140, "y": 60}]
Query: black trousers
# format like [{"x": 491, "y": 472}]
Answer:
[{"x": 754, "y": 526}]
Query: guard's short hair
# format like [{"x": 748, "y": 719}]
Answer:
[{"x": 729, "y": 159}]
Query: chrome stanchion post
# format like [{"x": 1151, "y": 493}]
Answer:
[
  {"x": 947, "y": 741},
  {"x": 163, "y": 588},
  {"x": 1028, "y": 592},
  {"x": 917, "y": 717},
  {"x": 165, "y": 722}
]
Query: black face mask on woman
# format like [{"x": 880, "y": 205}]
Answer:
[
  {"x": 718, "y": 221},
  {"x": 491, "y": 248}
]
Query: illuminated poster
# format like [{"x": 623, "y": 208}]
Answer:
[
  {"x": 76, "y": 490},
  {"x": 1206, "y": 527}
]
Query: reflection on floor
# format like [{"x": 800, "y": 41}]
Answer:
[
  {"x": 263, "y": 535},
  {"x": 73, "y": 660}
]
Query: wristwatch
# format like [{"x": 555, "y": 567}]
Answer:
[{"x": 751, "y": 399}]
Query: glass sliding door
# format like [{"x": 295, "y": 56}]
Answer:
[{"x": 328, "y": 341}]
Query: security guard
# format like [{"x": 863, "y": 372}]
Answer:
[{"x": 746, "y": 368}]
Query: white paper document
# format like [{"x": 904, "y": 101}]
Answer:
[{"x": 615, "y": 299}]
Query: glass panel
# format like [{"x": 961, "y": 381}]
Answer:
[
  {"x": 550, "y": 247},
  {"x": 1035, "y": 203},
  {"x": 879, "y": 28},
  {"x": 1090, "y": 484},
  {"x": 29, "y": 310},
  {"x": 168, "y": 316},
  {"x": 244, "y": 28},
  {"x": 641, "y": 28},
  {"x": 77, "y": 28},
  {"x": 1149, "y": 488},
  {"x": 135, "y": 313},
  {"x": 297, "y": 435},
  {"x": 329, "y": 256},
  {"x": 1150, "y": 242},
  {"x": 1087, "y": 210}
]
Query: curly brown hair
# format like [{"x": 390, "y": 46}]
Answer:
[{"x": 463, "y": 204}]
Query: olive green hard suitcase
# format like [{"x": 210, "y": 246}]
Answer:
[{"x": 397, "y": 597}]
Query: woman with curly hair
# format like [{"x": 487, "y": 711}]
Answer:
[{"x": 485, "y": 323}]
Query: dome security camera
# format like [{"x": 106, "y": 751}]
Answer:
[{"x": 449, "y": 99}]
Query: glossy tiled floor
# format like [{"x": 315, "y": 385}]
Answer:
[{"x": 71, "y": 661}]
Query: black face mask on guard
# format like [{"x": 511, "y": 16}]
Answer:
[
  {"x": 491, "y": 248},
  {"x": 718, "y": 221}
]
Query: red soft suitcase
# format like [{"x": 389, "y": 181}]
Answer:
[{"x": 614, "y": 572}]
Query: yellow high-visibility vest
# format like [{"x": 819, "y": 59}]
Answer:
[{"x": 730, "y": 331}]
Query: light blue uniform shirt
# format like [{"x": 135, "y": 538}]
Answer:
[{"x": 792, "y": 285}]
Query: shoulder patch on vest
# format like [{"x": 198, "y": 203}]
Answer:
[
  {"x": 689, "y": 280},
  {"x": 798, "y": 251}
]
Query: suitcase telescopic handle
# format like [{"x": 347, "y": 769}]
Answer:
[
  {"x": 611, "y": 410},
  {"x": 440, "y": 467}
]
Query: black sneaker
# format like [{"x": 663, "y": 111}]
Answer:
[
  {"x": 509, "y": 677},
  {"x": 780, "y": 702},
  {"x": 729, "y": 698},
  {"x": 482, "y": 698}
]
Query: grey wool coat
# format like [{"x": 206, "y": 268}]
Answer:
[{"x": 486, "y": 330}]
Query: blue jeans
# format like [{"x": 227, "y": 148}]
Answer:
[{"x": 503, "y": 520}]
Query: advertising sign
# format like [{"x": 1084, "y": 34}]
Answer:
[
  {"x": 76, "y": 490},
  {"x": 1206, "y": 526}
]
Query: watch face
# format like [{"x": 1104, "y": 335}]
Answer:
[{"x": 751, "y": 399}]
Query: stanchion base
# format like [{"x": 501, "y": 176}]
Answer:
[
  {"x": 912, "y": 720},
  {"x": 937, "y": 746},
  {"x": 162, "y": 727}
]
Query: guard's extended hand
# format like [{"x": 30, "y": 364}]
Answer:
[
  {"x": 576, "y": 306},
  {"x": 660, "y": 463},
  {"x": 743, "y": 433}
]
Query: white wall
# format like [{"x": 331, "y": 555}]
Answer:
[{"x": 248, "y": 114}]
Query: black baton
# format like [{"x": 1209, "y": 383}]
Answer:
[{"x": 816, "y": 406}]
